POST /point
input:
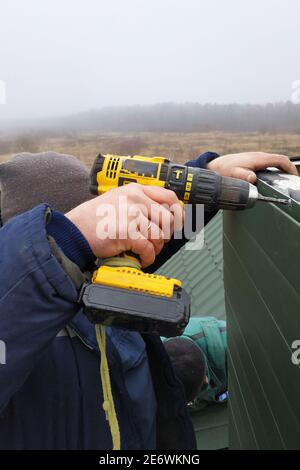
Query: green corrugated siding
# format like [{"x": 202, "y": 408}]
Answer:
[
  {"x": 201, "y": 271},
  {"x": 262, "y": 282},
  {"x": 261, "y": 257},
  {"x": 211, "y": 427}
]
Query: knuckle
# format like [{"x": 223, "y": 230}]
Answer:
[
  {"x": 142, "y": 243},
  {"x": 235, "y": 172},
  {"x": 171, "y": 196},
  {"x": 283, "y": 158},
  {"x": 131, "y": 187}
]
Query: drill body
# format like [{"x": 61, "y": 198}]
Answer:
[
  {"x": 120, "y": 294},
  {"x": 191, "y": 185}
]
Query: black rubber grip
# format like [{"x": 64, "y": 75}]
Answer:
[
  {"x": 218, "y": 192},
  {"x": 234, "y": 193},
  {"x": 205, "y": 188},
  {"x": 97, "y": 166}
]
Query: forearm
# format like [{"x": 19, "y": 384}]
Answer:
[{"x": 37, "y": 296}]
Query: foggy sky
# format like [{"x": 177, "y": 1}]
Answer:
[{"x": 63, "y": 56}]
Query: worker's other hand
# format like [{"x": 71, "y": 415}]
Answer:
[
  {"x": 243, "y": 165},
  {"x": 129, "y": 218}
]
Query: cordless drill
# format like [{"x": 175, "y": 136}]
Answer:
[{"x": 120, "y": 294}]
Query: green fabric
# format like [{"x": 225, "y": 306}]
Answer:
[{"x": 210, "y": 336}]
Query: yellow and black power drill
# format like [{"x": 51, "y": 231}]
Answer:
[{"x": 120, "y": 294}]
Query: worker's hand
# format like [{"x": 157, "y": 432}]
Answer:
[
  {"x": 243, "y": 165},
  {"x": 129, "y": 218}
]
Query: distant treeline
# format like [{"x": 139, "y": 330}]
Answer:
[
  {"x": 170, "y": 117},
  {"x": 189, "y": 117}
]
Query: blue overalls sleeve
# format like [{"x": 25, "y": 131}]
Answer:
[
  {"x": 202, "y": 160},
  {"x": 37, "y": 297},
  {"x": 70, "y": 240}
]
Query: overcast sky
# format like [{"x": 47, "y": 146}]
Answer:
[{"x": 63, "y": 56}]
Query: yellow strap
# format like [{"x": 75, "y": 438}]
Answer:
[{"x": 108, "y": 401}]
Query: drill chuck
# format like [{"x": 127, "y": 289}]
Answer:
[
  {"x": 237, "y": 194},
  {"x": 223, "y": 192},
  {"x": 208, "y": 188},
  {"x": 220, "y": 192}
]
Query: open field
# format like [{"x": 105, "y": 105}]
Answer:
[{"x": 179, "y": 147}]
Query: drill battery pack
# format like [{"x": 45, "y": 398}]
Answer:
[
  {"x": 133, "y": 310},
  {"x": 130, "y": 299}
]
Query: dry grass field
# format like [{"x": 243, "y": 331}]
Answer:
[{"x": 179, "y": 147}]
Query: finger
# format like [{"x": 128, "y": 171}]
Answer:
[
  {"x": 281, "y": 162},
  {"x": 159, "y": 213},
  {"x": 161, "y": 195},
  {"x": 243, "y": 174},
  {"x": 179, "y": 215},
  {"x": 169, "y": 200},
  {"x": 153, "y": 233},
  {"x": 133, "y": 209},
  {"x": 163, "y": 218},
  {"x": 144, "y": 248}
]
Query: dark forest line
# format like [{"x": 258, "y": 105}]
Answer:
[
  {"x": 188, "y": 117},
  {"x": 168, "y": 117}
]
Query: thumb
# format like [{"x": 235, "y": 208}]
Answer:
[{"x": 244, "y": 174}]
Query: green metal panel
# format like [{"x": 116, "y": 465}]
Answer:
[
  {"x": 211, "y": 427},
  {"x": 262, "y": 285},
  {"x": 201, "y": 271}
]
